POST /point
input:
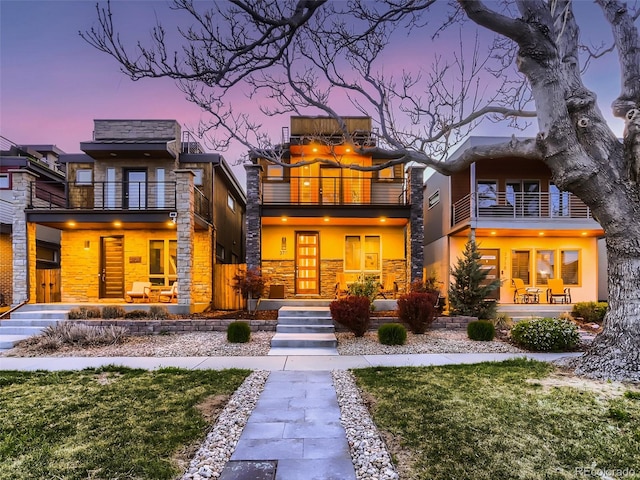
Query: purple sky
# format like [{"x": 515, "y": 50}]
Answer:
[{"x": 53, "y": 84}]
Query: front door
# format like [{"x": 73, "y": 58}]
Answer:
[
  {"x": 307, "y": 263},
  {"x": 112, "y": 267},
  {"x": 490, "y": 262}
]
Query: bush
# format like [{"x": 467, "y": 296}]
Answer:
[
  {"x": 75, "y": 334},
  {"x": 84, "y": 313},
  {"x": 392, "y": 334},
  {"x": 503, "y": 322},
  {"x": 113, "y": 311},
  {"x": 481, "y": 330},
  {"x": 158, "y": 312},
  {"x": 590, "y": 312},
  {"x": 368, "y": 288},
  {"x": 546, "y": 334},
  {"x": 250, "y": 283},
  {"x": 238, "y": 332},
  {"x": 417, "y": 310},
  {"x": 352, "y": 312},
  {"x": 136, "y": 314}
]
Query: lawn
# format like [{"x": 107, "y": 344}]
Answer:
[
  {"x": 503, "y": 421},
  {"x": 107, "y": 423}
]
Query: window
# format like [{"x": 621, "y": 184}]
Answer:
[
  {"x": 487, "y": 193},
  {"x": 275, "y": 172},
  {"x": 545, "y": 266},
  {"x": 220, "y": 252},
  {"x": 198, "y": 179},
  {"x": 520, "y": 264},
  {"x": 110, "y": 189},
  {"x": 84, "y": 176},
  {"x": 386, "y": 174},
  {"x": 362, "y": 253},
  {"x": 434, "y": 199},
  {"x": 4, "y": 181},
  {"x": 569, "y": 267},
  {"x": 559, "y": 201},
  {"x": 163, "y": 257},
  {"x": 231, "y": 203}
]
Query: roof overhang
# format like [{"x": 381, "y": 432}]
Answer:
[{"x": 126, "y": 150}]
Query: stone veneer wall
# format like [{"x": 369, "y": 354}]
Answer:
[
  {"x": 201, "y": 272},
  {"x": 416, "y": 223},
  {"x": 253, "y": 222},
  {"x": 279, "y": 272},
  {"x": 140, "y": 130},
  {"x": 23, "y": 240},
  {"x": 6, "y": 268}
]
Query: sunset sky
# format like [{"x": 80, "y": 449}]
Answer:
[{"x": 53, "y": 84}]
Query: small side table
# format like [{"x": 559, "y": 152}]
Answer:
[{"x": 533, "y": 295}]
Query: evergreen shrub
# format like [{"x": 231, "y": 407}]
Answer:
[
  {"x": 392, "y": 334},
  {"x": 481, "y": 330},
  {"x": 546, "y": 334},
  {"x": 238, "y": 332},
  {"x": 352, "y": 312}
]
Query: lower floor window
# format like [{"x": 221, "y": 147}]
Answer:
[
  {"x": 546, "y": 266},
  {"x": 362, "y": 253},
  {"x": 163, "y": 258}
]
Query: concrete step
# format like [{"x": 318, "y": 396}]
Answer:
[
  {"x": 305, "y": 321},
  {"x": 33, "y": 322},
  {"x": 305, "y": 312},
  {"x": 20, "y": 330},
  {"x": 304, "y": 340},
  {"x": 8, "y": 341},
  {"x": 305, "y": 328},
  {"x": 315, "y": 352},
  {"x": 40, "y": 314}
]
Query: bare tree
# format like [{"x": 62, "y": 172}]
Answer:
[{"x": 300, "y": 55}]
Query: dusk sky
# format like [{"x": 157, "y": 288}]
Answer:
[{"x": 53, "y": 84}]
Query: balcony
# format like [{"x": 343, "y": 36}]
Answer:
[
  {"x": 520, "y": 206},
  {"x": 113, "y": 196},
  {"x": 313, "y": 191}
]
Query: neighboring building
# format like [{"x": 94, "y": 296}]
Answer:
[
  {"x": 525, "y": 227},
  {"x": 42, "y": 161},
  {"x": 307, "y": 224},
  {"x": 139, "y": 206}
]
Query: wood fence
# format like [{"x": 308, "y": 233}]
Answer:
[{"x": 225, "y": 297}]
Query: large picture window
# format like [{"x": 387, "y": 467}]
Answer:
[
  {"x": 545, "y": 266},
  {"x": 362, "y": 254},
  {"x": 520, "y": 265},
  {"x": 570, "y": 266},
  {"x": 163, "y": 257}
]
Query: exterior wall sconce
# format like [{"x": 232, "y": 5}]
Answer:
[
  {"x": 87, "y": 244},
  {"x": 173, "y": 216}
]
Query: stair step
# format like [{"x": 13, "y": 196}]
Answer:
[
  {"x": 40, "y": 314},
  {"x": 305, "y": 321},
  {"x": 304, "y": 340},
  {"x": 8, "y": 341},
  {"x": 20, "y": 330},
  {"x": 305, "y": 328},
  {"x": 316, "y": 312},
  {"x": 33, "y": 322}
]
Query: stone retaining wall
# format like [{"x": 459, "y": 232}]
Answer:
[{"x": 155, "y": 327}]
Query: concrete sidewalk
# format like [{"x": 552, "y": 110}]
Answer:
[{"x": 271, "y": 363}]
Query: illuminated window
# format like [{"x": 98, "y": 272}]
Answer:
[
  {"x": 362, "y": 253},
  {"x": 84, "y": 176},
  {"x": 275, "y": 172},
  {"x": 520, "y": 264},
  {"x": 163, "y": 258},
  {"x": 570, "y": 267},
  {"x": 545, "y": 266},
  {"x": 386, "y": 174}
]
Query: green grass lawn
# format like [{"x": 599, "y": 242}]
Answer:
[
  {"x": 107, "y": 423},
  {"x": 501, "y": 421}
]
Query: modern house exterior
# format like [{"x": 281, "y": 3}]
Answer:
[
  {"x": 143, "y": 202},
  {"x": 525, "y": 227},
  {"x": 309, "y": 224},
  {"x": 42, "y": 161}
]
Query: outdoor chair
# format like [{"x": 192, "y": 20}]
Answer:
[
  {"x": 522, "y": 294},
  {"x": 169, "y": 295},
  {"x": 341, "y": 289},
  {"x": 389, "y": 287},
  {"x": 557, "y": 291},
  {"x": 140, "y": 290}
]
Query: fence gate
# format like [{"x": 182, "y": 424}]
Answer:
[
  {"x": 48, "y": 285},
  {"x": 224, "y": 295}
]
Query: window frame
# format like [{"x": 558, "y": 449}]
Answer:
[
  {"x": 6, "y": 186},
  {"x": 166, "y": 277},
  {"x": 433, "y": 199},
  {"x": 231, "y": 202},
  {"x": 82, "y": 182}
]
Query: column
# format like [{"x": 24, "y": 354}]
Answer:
[{"x": 254, "y": 230}]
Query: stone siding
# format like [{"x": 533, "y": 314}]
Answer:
[
  {"x": 253, "y": 221},
  {"x": 141, "y": 130},
  {"x": 280, "y": 272},
  {"x": 6, "y": 268}
]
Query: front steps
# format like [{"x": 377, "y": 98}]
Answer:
[
  {"x": 304, "y": 331},
  {"x": 27, "y": 321},
  {"x": 527, "y": 311}
]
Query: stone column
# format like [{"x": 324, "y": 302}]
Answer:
[
  {"x": 254, "y": 230},
  {"x": 416, "y": 222},
  {"x": 23, "y": 239},
  {"x": 185, "y": 205}
]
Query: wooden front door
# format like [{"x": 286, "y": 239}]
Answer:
[
  {"x": 112, "y": 267},
  {"x": 307, "y": 263},
  {"x": 490, "y": 262},
  {"x": 48, "y": 285}
]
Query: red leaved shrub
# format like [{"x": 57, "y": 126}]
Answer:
[
  {"x": 417, "y": 310},
  {"x": 352, "y": 312}
]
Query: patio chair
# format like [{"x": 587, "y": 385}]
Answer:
[
  {"x": 140, "y": 290},
  {"x": 169, "y": 295},
  {"x": 389, "y": 286},
  {"x": 557, "y": 291},
  {"x": 522, "y": 294},
  {"x": 341, "y": 289}
]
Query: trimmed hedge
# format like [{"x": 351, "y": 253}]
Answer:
[
  {"x": 238, "y": 332},
  {"x": 392, "y": 334},
  {"x": 481, "y": 330},
  {"x": 546, "y": 334}
]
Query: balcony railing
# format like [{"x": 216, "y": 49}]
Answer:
[
  {"x": 505, "y": 205},
  {"x": 333, "y": 191},
  {"x": 107, "y": 196}
]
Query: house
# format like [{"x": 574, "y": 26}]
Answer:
[
  {"x": 525, "y": 227},
  {"x": 140, "y": 204},
  {"x": 307, "y": 224},
  {"x": 41, "y": 161}
]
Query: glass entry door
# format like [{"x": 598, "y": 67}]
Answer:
[
  {"x": 307, "y": 263},
  {"x": 490, "y": 262}
]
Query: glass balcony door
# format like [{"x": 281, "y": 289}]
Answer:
[{"x": 135, "y": 189}]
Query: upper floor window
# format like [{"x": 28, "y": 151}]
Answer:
[
  {"x": 559, "y": 201},
  {"x": 275, "y": 172},
  {"x": 487, "y": 193},
  {"x": 231, "y": 203},
  {"x": 5, "y": 181},
  {"x": 198, "y": 179},
  {"x": 386, "y": 174},
  {"x": 434, "y": 199},
  {"x": 84, "y": 176}
]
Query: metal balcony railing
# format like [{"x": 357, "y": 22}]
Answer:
[
  {"x": 333, "y": 191},
  {"x": 504, "y": 205}
]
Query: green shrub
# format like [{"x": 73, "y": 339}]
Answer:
[
  {"x": 352, "y": 312},
  {"x": 238, "y": 332},
  {"x": 113, "y": 311},
  {"x": 136, "y": 314},
  {"x": 392, "y": 334},
  {"x": 417, "y": 310},
  {"x": 590, "y": 312},
  {"x": 368, "y": 287},
  {"x": 158, "y": 312},
  {"x": 481, "y": 330},
  {"x": 84, "y": 312},
  {"x": 503, "y": 322},
  {"x": 546, "y": 334}
]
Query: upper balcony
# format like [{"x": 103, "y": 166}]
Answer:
[
  {"x": 515, "y": 207},
  {"x": 114, "y": 196}
]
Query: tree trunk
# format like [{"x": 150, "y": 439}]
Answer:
[{"x": 615, "y": 353}]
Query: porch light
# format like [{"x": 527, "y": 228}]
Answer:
[
  {"x": 383, "y": 219},
  {"x": 347, "y": 149},
  {"x": 284, "y": 219},
  {"x": 584, "y": 234},
  {"x": 314, "y": 149},
  {"x": 493, "y": 233},
  {"x": 117, "y": 223},
  {"x": 326, "y": 219},
  {"x": 71, "y": 223},
  {"x": 541, "y": 234}
]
